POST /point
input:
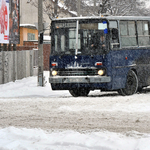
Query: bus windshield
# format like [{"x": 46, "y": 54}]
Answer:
[{"x": 88, "y": 37}]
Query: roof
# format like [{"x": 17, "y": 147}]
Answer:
[{"x": 28, "y": 26}]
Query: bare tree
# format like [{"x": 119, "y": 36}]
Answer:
[
  {"x": 95, "y": 7},
  {"x": 126, "y": 7},
  {"x": 120, "y": 7},
  {"x": 50, "y": 7},
  {"x": 110, "y": 7}
]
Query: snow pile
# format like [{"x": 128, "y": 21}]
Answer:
[
  {"x": 36, "y": 139},
  {"x": 27, "y": 87}
]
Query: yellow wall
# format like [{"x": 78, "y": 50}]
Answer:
[{"x": 24, "y": 34}]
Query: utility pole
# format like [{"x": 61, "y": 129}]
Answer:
[
  {"x": 2, "y": 51},
  {"x": 55, "y": 8},
  {"x": 40, "y": 43}
]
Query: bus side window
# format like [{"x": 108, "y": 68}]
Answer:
[
  {"x": 143, "y": 33},
  {"x": 114, "y": 39},
  {"x": 128, "y": 34}
]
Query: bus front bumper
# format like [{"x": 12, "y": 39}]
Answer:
[{"x": 80, "y": 79}]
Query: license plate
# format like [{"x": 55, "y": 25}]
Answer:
[{"x": 75, "y": 80}]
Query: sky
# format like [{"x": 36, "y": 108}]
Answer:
[{"x": 13, "y": 138}]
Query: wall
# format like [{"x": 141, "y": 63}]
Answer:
[
  {"x": 28, "y": 13},
  {"x": 34, "y": 45},
  {"x": 46, "y": 54},
  {"x": 15, "y": 65}
]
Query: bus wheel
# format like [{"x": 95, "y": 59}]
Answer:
[
  {"x": 79, "y": 92},
  {"x": 131, "y": 84}
]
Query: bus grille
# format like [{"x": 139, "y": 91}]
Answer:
[{"x": 78, "y": 72}]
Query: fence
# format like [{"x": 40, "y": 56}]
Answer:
[{"x": 15, "y": 65}]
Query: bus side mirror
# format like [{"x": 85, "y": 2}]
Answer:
[
  {"x": 114, "y": 34},
  {"x": 41, "y": 37}
]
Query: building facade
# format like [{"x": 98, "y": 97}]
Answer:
[
  {"x": 29, "y": 29},
  {"x": 29, "y": 13}
]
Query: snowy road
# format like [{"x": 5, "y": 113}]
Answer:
[
  {"x": 107, "y": 111},
  {"x": 35, "y": 118}
]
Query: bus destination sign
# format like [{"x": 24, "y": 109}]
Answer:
[{"x": 65, "y": 25}]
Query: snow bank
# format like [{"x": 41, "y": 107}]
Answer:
[{"x": 36, "y": 139}]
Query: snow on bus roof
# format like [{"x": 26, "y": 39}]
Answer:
[{"x": 107, "y": 17}]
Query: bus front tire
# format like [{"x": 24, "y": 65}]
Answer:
[
  {"x": 79, "y": 92},
  {"x": 131, "y": 84}
]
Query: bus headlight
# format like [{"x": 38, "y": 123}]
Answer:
[
  {"x": 54, "y": 73},
  {"x": 101, "y": 72}
]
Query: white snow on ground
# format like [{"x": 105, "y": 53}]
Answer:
[
  {"x": 35, "y": 139},
  {"x": 12, "y": 138},
  {"x": 27, "y": 87}
]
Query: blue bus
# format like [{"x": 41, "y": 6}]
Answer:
[{"x": 108, "y": 53}]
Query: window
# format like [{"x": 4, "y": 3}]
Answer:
[
  {"x": 64, "y": 36},
  {"x": 56, "y": 42},
  {"x": 31, "y": 36},
  {"x": 124, "y": 28},
  {"x": 143, "y": 33},
  {"x": 85, "y": 37},
  {"x": 113, "y": 25},
  {"x": 62, "y": 42},
  {"x": 128, "y": 33},
  {"x": 72, "y": 39}
]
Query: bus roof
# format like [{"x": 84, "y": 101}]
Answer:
[{"x": 107, "y": 17}]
